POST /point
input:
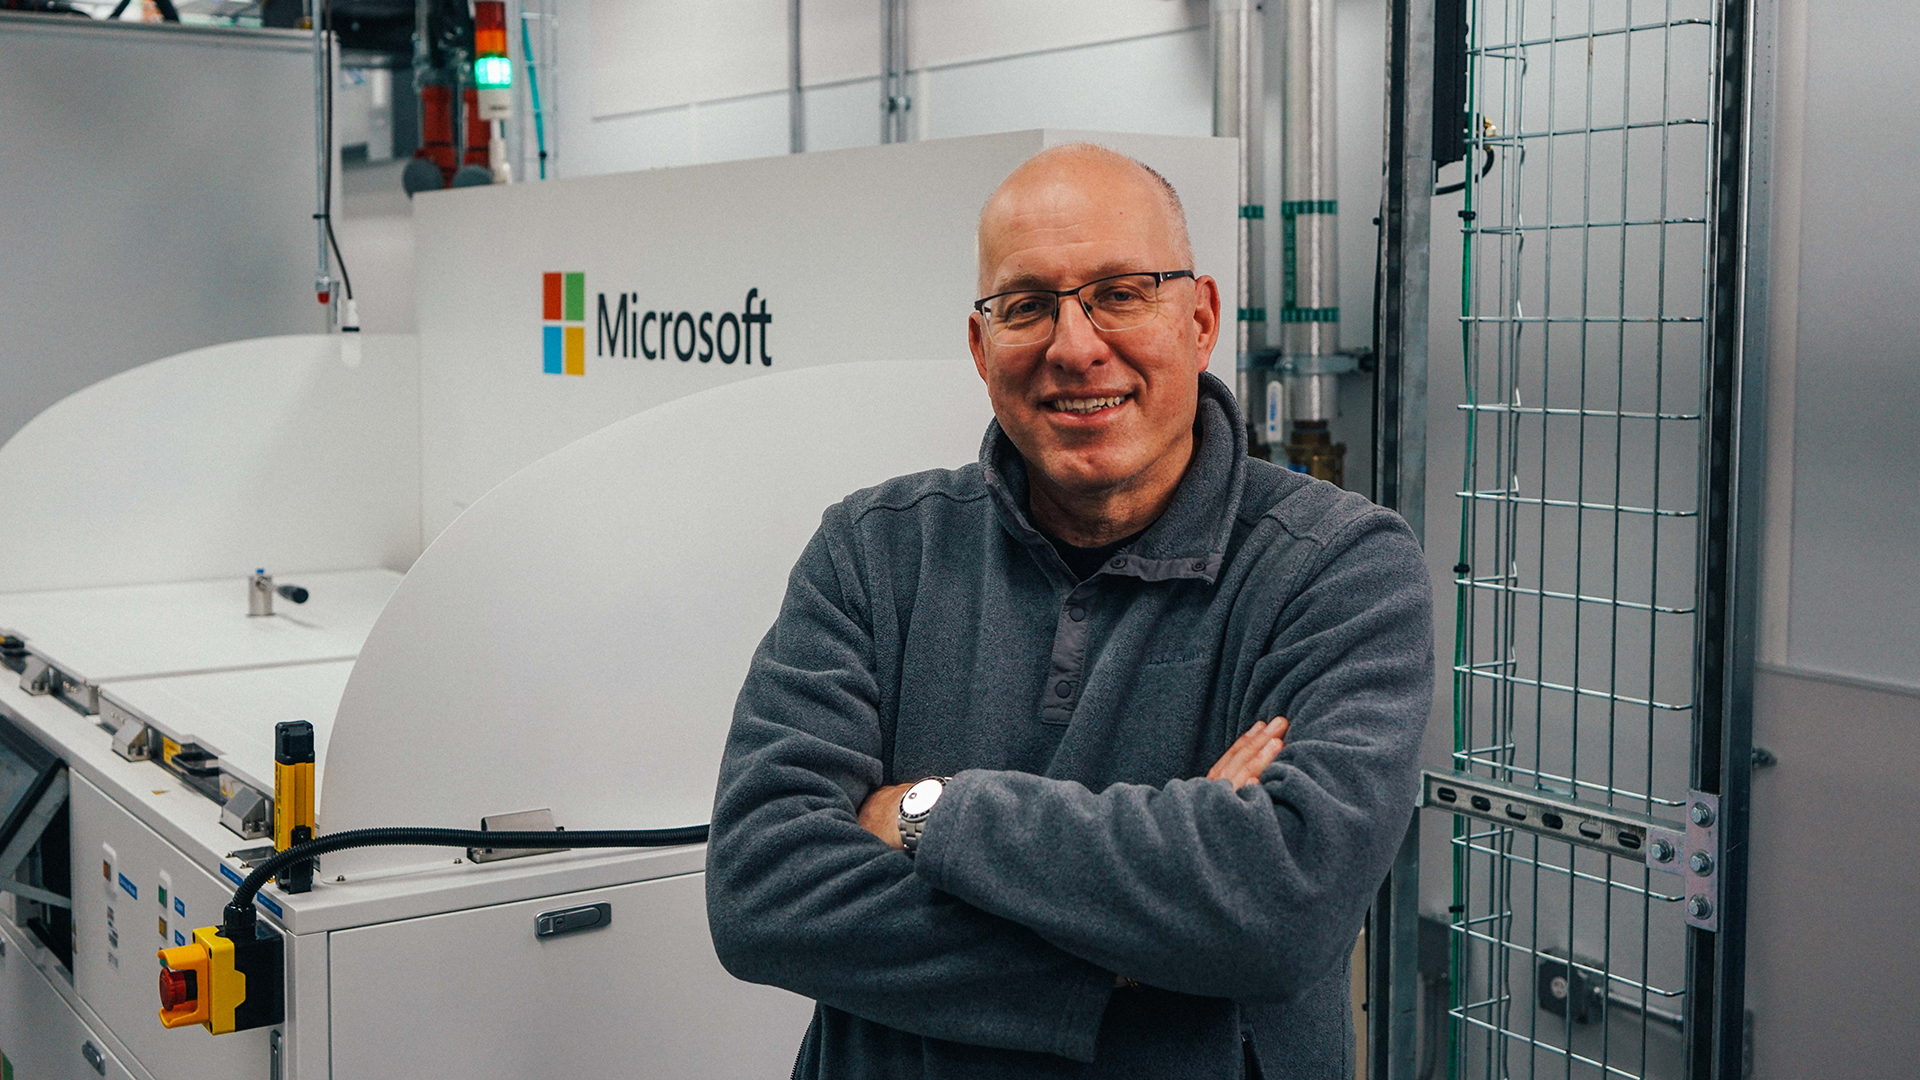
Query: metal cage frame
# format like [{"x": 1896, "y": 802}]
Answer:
[{"x": 1729, "y": 349}]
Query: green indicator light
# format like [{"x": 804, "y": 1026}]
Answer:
[{"x": 493, "y": 72}]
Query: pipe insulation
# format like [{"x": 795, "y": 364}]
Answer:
[
  {"x": 1310, "y": 357},
  {"x": 1238, "y": 98}
]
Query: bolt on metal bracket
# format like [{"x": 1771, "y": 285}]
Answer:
[{"x": 1702, "y": 867}]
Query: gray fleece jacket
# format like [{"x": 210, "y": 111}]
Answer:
[{"x": 930, "y": 630}]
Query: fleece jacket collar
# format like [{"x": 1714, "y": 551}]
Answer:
[{"x": 1188, "y": 540}]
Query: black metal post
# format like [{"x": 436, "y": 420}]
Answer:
[
  {"x": 1400, "y": 478},
  {"x": 1732, "y": 461}
]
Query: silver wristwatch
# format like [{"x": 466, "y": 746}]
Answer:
[{"x": 915, "y": 805}]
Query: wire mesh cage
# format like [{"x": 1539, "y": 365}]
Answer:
[{"x": 1584, "y": 333}]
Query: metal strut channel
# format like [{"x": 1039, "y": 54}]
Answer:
[{"x": 1689, "y": 849}]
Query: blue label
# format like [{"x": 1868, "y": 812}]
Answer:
[
  {"x": 227, "y": 872},
  {"x": 269, "y": 905},
  {"x": 131, "y": 889},
  {"x": 179, "y": 938},
  {"x": 179, "y": 906}
]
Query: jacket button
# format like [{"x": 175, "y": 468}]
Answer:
[
  {"x": 1076, "y": 613},
  {"x": 1198, "y": 565},
  {"x": 1062, "y": 689},
  {"x": 1118, "y": 564}
]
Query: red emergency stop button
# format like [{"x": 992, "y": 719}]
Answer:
[{"x": 177, "y": 988}]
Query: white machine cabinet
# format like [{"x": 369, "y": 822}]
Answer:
[
  {"x": 41, "y": 1036},
  {"x": 478, "y": 993},
  {"x": 133, "y": 894}
]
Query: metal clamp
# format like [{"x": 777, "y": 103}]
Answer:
[
  {"x": 523, "y": 821},
  {"x": 39, "y": 678},
  {"x": 1702, "y": 862}
]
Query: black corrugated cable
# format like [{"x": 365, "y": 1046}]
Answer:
[{"x": 240, "y": 918}]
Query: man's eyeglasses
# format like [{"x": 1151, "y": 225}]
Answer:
[{"x": 1029, "y": 316}]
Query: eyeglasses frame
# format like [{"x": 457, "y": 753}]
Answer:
[{"x": 1160, "y": 277}]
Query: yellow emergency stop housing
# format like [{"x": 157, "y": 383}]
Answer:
[{"x": 221, "y": 984}]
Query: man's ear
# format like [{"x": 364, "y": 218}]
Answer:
[
  {"x": 1206, "y": 316},
  {"x": 977, "y": 344}
]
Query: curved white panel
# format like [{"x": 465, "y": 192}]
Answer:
[
  {"x": 577, "y": 638},
  {"x": 272, "y": 452}
]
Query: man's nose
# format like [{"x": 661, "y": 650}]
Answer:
[{"x": 1075, "y": 343}]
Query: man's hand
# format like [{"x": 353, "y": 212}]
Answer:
[
  {"x": 1244, "y": 761},
  {"x": 880, "y": 814}
]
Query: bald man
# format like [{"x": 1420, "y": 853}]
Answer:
[{"x": 1085, "y": 759}]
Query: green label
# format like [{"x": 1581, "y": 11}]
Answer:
[{"x": 576, "y": 298}]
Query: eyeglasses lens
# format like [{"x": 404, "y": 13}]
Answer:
[{"x": 1118, "y": 303}]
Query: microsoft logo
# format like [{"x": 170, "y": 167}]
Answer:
[{"x": 563, "y": 304}]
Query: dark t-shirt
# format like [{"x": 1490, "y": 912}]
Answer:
[{"x": 1083, "y": 561}]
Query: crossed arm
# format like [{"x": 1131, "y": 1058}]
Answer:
[{"x": 1241, "y": 765}]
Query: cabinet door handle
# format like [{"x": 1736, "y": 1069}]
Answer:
[
  {"x": 570, "y": 920},
  {"x": 94, "y": 1057}
]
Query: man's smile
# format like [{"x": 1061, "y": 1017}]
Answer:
[{"x": 1087, "y": 405}]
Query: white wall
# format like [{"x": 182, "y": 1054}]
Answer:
[
  {"x": 1839, "y": 704},
  {"x": 1850, "y": 275},
  {"x": 156, "y": 193}
]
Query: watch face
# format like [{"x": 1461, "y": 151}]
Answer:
[{"x": 920, "y": 798}]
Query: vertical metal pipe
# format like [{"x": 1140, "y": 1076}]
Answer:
[
  {"x": 1309, "y": 256},
  {"x": 1238, "y": 97},
  {"x": 322, "y": 148},
  {"x": 796, "y": 104},
  {"x": 894, "y": 100}
]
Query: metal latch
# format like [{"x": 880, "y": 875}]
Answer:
[
  {"x": 1690, "y": 849},
  {"x": 568, "y": 920},
  {"x": 39, "y": 677}
]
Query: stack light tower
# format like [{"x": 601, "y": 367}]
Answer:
[
  {"x": 491, "y": 99},
  {"x": 465, "y": 80}
]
